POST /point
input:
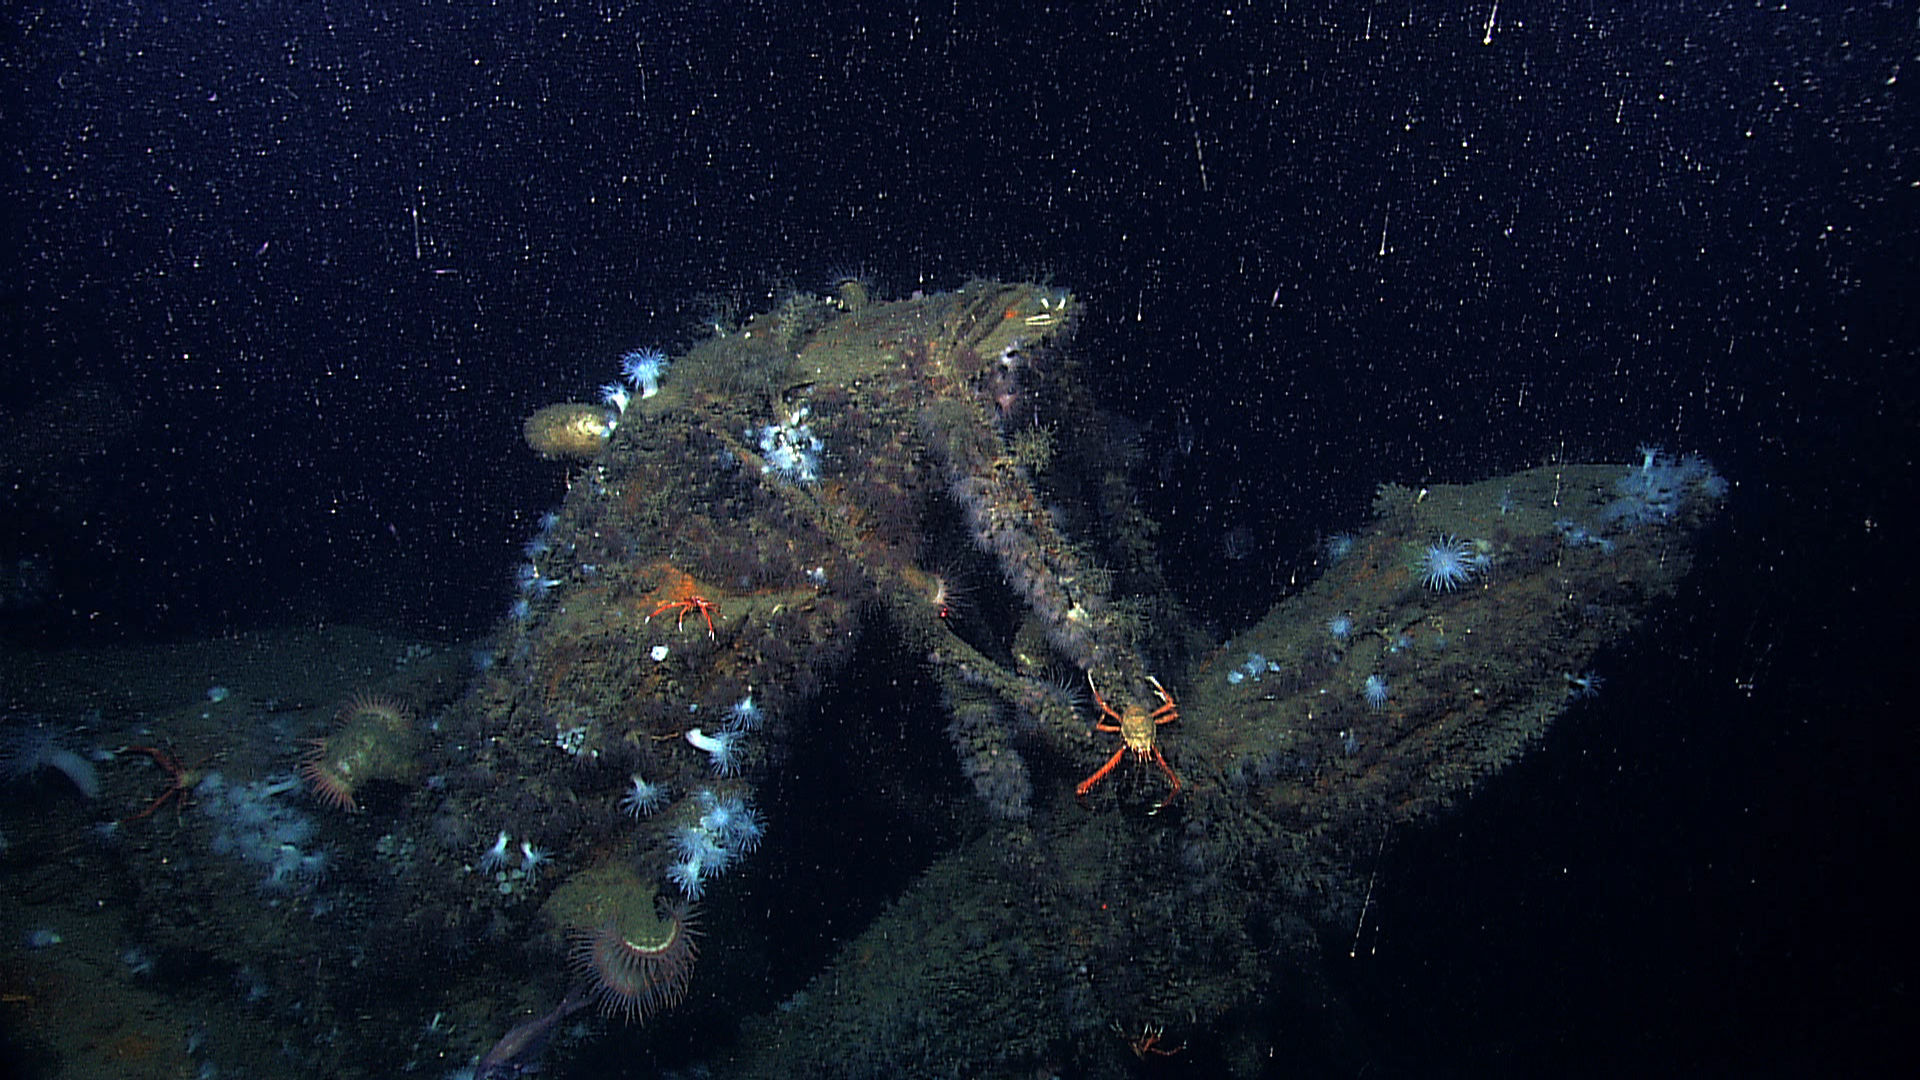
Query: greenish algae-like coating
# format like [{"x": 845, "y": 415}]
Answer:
[
  {"x": 687, "y": 571},
  {"x": 1065, "y": 937}
]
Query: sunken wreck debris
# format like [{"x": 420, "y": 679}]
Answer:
[
  {"x": 801, "y": 478},
  {"x": 1103, "y": 937},
  {"x": 1147, "y": 833}
]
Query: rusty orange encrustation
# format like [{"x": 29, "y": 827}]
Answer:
[{"x": 1137, "y": 728}]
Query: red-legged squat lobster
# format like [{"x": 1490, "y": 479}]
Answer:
[{"x": 1137, "y": 727}]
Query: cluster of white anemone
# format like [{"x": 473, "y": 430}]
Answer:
[
  {"x": 500, "y": 856},
  {"x": 790, "y": 448},
  {"x": 727, "y": 828},
  {"x": 640, "y": 369}
]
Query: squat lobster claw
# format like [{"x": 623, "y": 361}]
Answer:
[{"x": 1136, "y": 727}]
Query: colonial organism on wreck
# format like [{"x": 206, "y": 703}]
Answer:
[
  {"x": 569, "y": 430},
  {"x": 806, "y": 474}
]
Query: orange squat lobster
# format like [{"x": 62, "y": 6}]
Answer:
[
  {"x": 688, "y": 605},
  {"x": 1136, "y": 727},
  {"x": 1148, "y": 1041}
]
